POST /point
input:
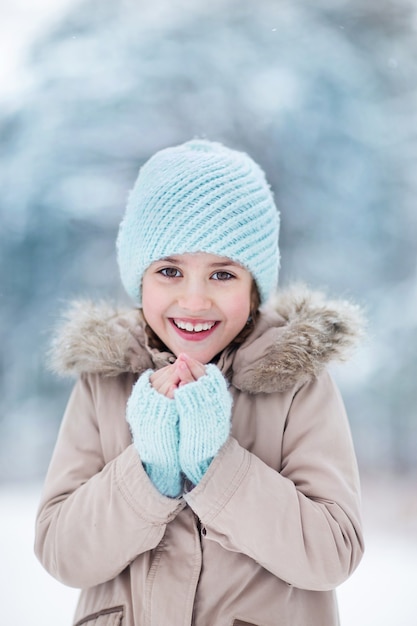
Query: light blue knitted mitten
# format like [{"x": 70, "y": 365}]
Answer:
[
  {"x": 204, "y": 408},
  {"x": 153, "y": 421}
]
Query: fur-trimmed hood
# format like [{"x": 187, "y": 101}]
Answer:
[{"x": 297, "y": 335}]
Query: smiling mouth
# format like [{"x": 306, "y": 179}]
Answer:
[{"x": 193, "y": 328}]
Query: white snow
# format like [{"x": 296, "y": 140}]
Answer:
[
  {"x": 30, "y": 595},
  {"x": 382, "y": 592}
]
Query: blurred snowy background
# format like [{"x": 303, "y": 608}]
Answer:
[{"x": 324, "y": 96}]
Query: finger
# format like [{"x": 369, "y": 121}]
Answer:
[
  {"x": 163, "y": 374},
  {"x": 167, "y": 388},
  {"x": 196, "y": 368},
  {"x": 184, "y": 372},
  {"x": 171, "y": 391},
  {"x": 165, "y": 378}
]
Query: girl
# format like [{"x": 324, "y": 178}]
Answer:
[{"x": 204, "y": 472}]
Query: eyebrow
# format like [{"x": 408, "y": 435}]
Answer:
[{"x": 226, "y": 261}]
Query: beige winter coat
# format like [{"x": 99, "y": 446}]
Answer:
[{"x": 270, "y": 531}]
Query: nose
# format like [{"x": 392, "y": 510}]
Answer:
[{"x": 194, "y": 298}]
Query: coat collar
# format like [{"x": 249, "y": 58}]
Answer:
[{"x": 297, "y": 335}]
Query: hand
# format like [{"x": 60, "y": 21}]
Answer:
[
  {"x": 185, "y": 370},
  {"x": 153, "y": 420},
  {"x": 204, "y": 406}
]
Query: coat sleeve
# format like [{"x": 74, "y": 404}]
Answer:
[
  {"x": 302, "y": 523},
  {"x": 95, "y": 517}
]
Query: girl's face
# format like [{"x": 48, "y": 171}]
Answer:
[{"x": 196, "y": 303}]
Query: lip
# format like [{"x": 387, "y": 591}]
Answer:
[{"x": 194, "y": 336}]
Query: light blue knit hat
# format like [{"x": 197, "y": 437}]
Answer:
[{"x": 200, "y": 197}]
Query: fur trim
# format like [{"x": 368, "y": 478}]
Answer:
[
  {"x": 100, "y": 339},
  {"x": 291, "y": 344},
  {"x": 314, "y": 332}
]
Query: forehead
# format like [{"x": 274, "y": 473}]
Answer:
[{"x": 200, "y": 258}]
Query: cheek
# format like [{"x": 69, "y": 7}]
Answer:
[
  {"x": 152, "y": 304},
  {"x": 239, "y": 309}
]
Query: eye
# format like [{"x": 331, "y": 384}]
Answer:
[
  {"x": 170, "y": 272},
  {"x": 222, "y": 275}
]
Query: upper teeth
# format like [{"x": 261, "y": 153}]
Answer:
[{"x": 197, "y": 328}]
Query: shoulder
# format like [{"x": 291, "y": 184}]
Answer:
[{"x": 299, "y": 333}]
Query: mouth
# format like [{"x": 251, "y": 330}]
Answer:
[{"x": 192, "y": 329}]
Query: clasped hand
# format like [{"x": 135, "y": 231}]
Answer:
[
  {"x": 184, "y": 370},
  {"x": 179, "y": 418}
]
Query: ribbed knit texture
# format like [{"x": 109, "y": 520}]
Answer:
[
  {"x": 200, "y": 197},
  {"x": 153, "y": 420},
  {"x": 205, "y": 409}
]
